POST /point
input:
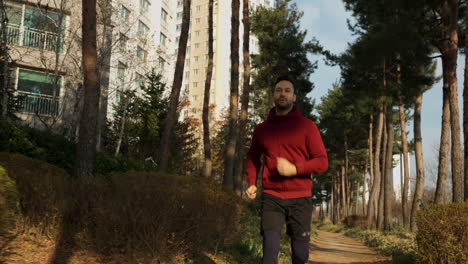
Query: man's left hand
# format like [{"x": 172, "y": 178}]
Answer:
[{"x": 286, "y": 168}]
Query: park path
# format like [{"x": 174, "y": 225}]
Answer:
[{"x": 335, "y": 248}]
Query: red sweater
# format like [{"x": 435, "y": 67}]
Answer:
[{"x": 294, "y": 138}]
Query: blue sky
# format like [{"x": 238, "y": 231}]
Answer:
[{"x": 326, "y": 21}]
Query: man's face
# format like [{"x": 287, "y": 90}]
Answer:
[{"x": 283, "y": 95}]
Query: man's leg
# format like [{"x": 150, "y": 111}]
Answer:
[
  {"x": 298, "y": 223},
  {"x": 273, "y": 216}
]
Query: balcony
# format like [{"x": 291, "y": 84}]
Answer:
[
  {"x": 34, "y": 38},
  {"x": 40, "y": 104}
]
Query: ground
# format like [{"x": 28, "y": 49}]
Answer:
[
  {"x": 326, "y": 248},
  {"x": 335, "y": 248}
]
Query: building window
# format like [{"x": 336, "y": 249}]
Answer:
[
  {"x": 162, "y": 63},
  {"x": 177, "y": 39},
  {"x": 197, "y": 45},
  {"x": 197, "y": 20},
  {"x": 144, "y": 6},
  {"x": 164, "y": 15},
  {"x": 198, "y": 8},
  {"x": 124, "y": 13},
  {"x": 195, "y": 71},
  {"x": 142, "y": 28},
  {"x": 123, "y": 41},
  {"x": 197, "y": 33},
  {"x": 39, "y": 92},
  {"x": 117, "y": 96},
  {"x": 40, "y": 28},
  {"x": 195, "y": 84},
  {"x": 178, "y": 27},
  {"x": 194, "y": 98},
  {"x": 139, "y": 80},
  {"x": 162, "y": 39},
  {"x": 187, "y": 74},
  {"x": 179, "y": 15},
  {"x": 195, "y": 58},
  {"x": 122, "y": 69},
  {"x": 179, "y": 3},
  {"x": 141, "y": 53}
]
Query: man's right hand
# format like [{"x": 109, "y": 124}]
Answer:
[{"x": 251, "y": 192}]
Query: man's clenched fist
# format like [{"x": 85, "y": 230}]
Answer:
[
  {"x": 251, "y": 192},
  {"x": 286, "y": 168}
]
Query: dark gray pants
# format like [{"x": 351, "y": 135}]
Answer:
[{"x": 297, "y": 214}]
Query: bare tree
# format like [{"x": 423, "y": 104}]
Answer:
[
  {"x": 164, "y": 149},
  {"x": 4, "y": 58},
  {"x": 228, "y": 179},
  {"x": 86, "y": 147},
  {"x": 465, "y": 110},
  {"x": 239, "y": 167},
  {"x": 208, "y": 167},
  {"x": 418, "y": 192}
]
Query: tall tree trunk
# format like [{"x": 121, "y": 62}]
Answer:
[
  {"x": 364, "y": 190},
  {"x": 443, "y": 147},
  {"x": 122, "y": 126},
  {"x": 380, "y": 202},
  {"x": 164, "y": 148},
  {"x": 103, "y": 71},
  {"x": 465, "y": 110},
  {"x": 371, "y": 151},
  {"x": 449, "y": 51},
  {"x": 404, "y": 142},
  {"x": 344, "y": 207},
  {"x": 86, "y": 147},
  {"x": 239, "y": 167},
  {"x": 418, "y": 191},
  {"x": 5, "y": 58},
  {"x": 207, "y": 165},
  {"x": 347, "y": 183},
  {"x": 371, "y": 206},
  {"x": 388, "y": 192},
  {"x": 228, "y": 179},
  {"x": 356, "y": 198}
]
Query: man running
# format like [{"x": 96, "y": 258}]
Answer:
[{"x": 293, "y": 150}]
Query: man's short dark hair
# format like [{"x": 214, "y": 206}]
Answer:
[{"x": 286, "y": 78}]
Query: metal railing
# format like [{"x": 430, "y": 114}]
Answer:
[
  {"x": 13, "y": 34},
  {"x": 33, "y": 38},
  {"x": 38, "y": 104}
]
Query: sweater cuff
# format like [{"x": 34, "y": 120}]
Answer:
[
  {"x": 251, "y": 181},
  {"x": 300, "y": 168}
]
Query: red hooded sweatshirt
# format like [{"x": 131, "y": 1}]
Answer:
[{"x": 294, "y": 138}]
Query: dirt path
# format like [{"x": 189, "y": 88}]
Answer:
[{"x": 334, "y": 248}]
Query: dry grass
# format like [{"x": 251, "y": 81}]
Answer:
[{"x": 138, "y": 216}]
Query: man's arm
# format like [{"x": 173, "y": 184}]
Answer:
[
  {"x": 319, "y": 161},
  {"x": 253, "y": 160}
]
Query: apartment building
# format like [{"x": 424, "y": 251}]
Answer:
[
  {"x": 43, "y": 41},
  {"x": 144, "y": 40},
  {"x": 197, "y": 55}
]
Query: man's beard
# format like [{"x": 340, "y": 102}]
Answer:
[{"x": 283, "y": 105}]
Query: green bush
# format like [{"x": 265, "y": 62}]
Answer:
[
  {"x": 59, "y": 151},
  {"x": 37, "y": 144},
  {"x": 442, "y": 235},
  {"x": 106, "y": 163}
]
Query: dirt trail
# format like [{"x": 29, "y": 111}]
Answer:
[{"x": 334, "y": 248}]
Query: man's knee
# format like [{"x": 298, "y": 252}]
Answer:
[{"x": 300, "y": 251}]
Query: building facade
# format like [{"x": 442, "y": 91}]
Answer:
[{"x": 42, "y": 39}]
